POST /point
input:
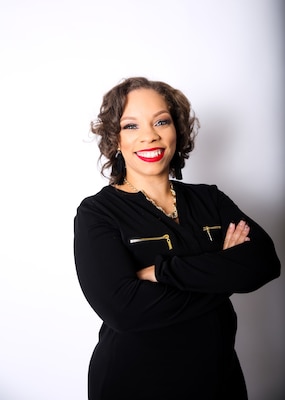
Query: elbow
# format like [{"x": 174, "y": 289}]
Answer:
[
  {"x": 266, "y": 267},
  {"x": 115, "y": 308},
  {"x": 276, "y": 270},
  {"x": 273, "y": 267},
  {"x": 260, "y": 278},
  {"x": 120, "y": 321},
  {"x": 117, "y": 320},
  {"x": 113, "y": 316}
]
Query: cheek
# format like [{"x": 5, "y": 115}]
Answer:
[
  {"x": 173, "y": 141},
  {"x": 124, "y": 141}
]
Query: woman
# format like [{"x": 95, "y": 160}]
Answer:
[{"x": 158, "y": 259}]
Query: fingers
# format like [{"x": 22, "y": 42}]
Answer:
[
  {"x": 229, "y": 235},
  {"x": 236, "y": 234}
]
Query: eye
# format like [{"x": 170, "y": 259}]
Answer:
[
  {"x": 130, "y": 126},
  {"x": 163, "y": 122}
]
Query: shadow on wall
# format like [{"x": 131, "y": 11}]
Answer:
[
  {"x": 214, "y": 147},
  {"x": 261, "y": 315},
  {"x": 218, "y": 158}
]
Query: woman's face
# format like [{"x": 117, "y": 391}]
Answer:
[{"x": 148, "y": 136}]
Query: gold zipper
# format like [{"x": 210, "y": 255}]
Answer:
[
  {"x": 208, "y": 229},
  {"x": 164, "y": 237}
]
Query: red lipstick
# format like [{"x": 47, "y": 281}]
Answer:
[{"x": 150, "y": 155}]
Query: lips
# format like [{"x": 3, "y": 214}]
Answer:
[{"x": 150, "y": 155}]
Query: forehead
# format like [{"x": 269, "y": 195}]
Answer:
[{"x": 139, "y": 100}]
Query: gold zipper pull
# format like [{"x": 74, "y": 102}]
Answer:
[
  {"x": 168, "y": 241},
  {"x": 146, "y": 239},
  {"x": 207, "y": 229}
]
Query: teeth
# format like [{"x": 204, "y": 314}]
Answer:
[{"x": 149, "y": 154}]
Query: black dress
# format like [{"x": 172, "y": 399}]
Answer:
[{"x": 171, "y": 340}]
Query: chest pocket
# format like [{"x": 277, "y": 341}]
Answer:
[
  {"x": 154, "y": 238},
  {"x": 212, "y": 237},
  {"x": 145, "y": 249},
  {"x": 211, "y": 231}
]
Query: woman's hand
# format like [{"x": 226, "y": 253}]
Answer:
[
  {"x": 147, "y": 274},
  {"x": 236, "y": 234}
]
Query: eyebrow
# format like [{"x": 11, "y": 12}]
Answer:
[{"x": 154, "y": 115}]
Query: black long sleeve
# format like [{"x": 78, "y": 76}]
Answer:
[
  {"x": 240, "y": 269},
  {"x": 106, "y": 272}
]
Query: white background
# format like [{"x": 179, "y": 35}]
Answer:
[{"x": 58, "y": 57}]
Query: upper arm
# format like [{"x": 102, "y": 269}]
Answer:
[{"x": 107, "y": 276}]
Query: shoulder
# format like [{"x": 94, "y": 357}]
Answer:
[
  {"x": 200, "y": 189},
  {"x": 107, "y": 205},
  {"x": 207, "y": 194},
  {"x": 95, "y": 206},
  {"x": 100, "y": 197}
]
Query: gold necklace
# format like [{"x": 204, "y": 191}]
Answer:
[{"x": 174, "y": 213}]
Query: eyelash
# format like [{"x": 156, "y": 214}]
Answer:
[
  {"x": 130, "y": 126},
  {"x": 161, "y": 122}
]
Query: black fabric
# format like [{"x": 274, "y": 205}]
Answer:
[{"x": 173, "y": 339}]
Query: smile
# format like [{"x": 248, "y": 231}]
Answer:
[{"x": 150, "y": 155}]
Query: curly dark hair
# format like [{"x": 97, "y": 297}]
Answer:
[{"x": 107, "y": 125}]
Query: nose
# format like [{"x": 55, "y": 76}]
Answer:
[{"x": 149, "y": 135}]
